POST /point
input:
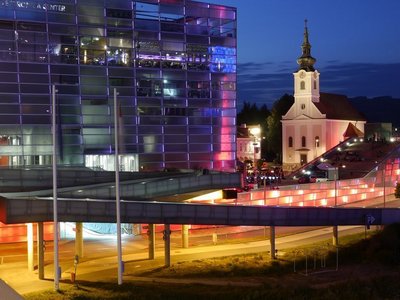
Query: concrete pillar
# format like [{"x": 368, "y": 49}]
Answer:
[
  {"x": 167, "y": 245},
  {"x": 29, "y": 237},
  {"x": 185, "y": 236},
  {"x": 40, "y": 250},
  {"x": 272, "y": 241},
  {"x": 152, "y": 240},
  {"x": 335, "y": 236},
  {"x": 79, "y": 239}
]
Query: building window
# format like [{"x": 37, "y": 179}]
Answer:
[
  {"x": 315, "y": 85},
  {"x": 290, "y": 142},
  {"x": 303, "y": 141},
  {"x": 302, "y": 85},
  {"x": 303, "y": 106},
  {"x": 317, "y": 141}
]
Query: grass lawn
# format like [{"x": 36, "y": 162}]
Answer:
[{"x": 368, "y": 269}]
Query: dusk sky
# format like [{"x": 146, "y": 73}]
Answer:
[{"x": 356, "y": 44}]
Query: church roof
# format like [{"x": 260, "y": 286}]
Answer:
[{"x": 338, "y": 107}]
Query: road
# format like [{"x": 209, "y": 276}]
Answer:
[
  {"x": 98, "y": 247},
  {"x": 100, "y": 262}
]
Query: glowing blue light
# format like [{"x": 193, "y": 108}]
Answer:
[{"x": 222, "y": 59}]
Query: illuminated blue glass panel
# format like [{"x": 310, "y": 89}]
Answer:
[
  {"x": 6, "y": 13},
  {"x": 223, "y": 59}
]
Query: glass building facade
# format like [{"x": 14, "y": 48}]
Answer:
[{"x": 172, "y": 63}]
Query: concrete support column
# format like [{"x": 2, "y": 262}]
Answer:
[
  {"x": 335, "y": 236},
  {"x": 152, "y": 240},
  {"x": 272, "y": 241},
  {"x": 29, "y": 238},
  {"x": 185, "y": 236},
  {"x": 79, "y": 239},
  {"x": 167, "y": 245},
  {"x": 40, "y": 250}
]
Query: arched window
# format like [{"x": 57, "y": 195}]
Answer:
[
  {"x": 290, "y": 142},
  {"x": 302, "y": 85},
  {"x": 317, "y": 141},
  {"x": 303, "y": 141}
]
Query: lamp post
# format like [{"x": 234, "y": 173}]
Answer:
[
  {"x": 384, "y": 185},
  {"x": 335, "y": 177},
  {"x": 54, "y": 168},
  {"x": 265, "y": 188},
  {"x": 255, "y": 132},
  {"x": 254, "y": 153},
  {"x": 117, "y": 190},
  {"x": 335, "y": 237}
]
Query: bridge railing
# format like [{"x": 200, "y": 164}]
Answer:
[
  {"x": 351, "y": 192},
  {"x": 142, "y": 189}
]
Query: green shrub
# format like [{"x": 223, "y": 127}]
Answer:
[{"x": 397, "y": 190}]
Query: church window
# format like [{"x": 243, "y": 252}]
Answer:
[
  {"x": 302, "y": 85},
  {"x": 317, "y": 141},
  {"x": 290, "y": 142},
  {"x": 303, "y": 141},
  {"x": 303, "y": 106}
]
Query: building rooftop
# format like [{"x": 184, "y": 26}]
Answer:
[{"x": 338, "y": 107}]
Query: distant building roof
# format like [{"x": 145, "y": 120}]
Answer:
[
  {"x": 352, "y": 131},
  {"x": 338, "y": 107},
  {"x": 243, "y": 132}
]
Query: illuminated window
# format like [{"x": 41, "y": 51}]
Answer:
[
  {"x": 317, "y": 141},
  {"x": 223, "y": 59}
]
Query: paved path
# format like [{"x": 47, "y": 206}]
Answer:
[{"x": 105, "y": 269}]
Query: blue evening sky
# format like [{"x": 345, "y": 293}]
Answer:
[{"x": 356, "y": 44}]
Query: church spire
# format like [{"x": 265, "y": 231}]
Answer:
[{"x": 306, "y": 61}]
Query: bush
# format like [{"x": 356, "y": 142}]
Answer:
[{"x": 397, "y": 190}]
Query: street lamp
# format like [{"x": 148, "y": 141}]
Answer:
[
  {"x": 336, "y": 178},
  {"x": 55, "y": 205},
  {"x": 255, "y": 132},
  {"x": 254, "y": 152},
  {"x": 384, "y": 185},
  {"x": 335, "y": 227}
]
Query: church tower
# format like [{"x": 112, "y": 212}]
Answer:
[
  {"x": 306, "y": 79},
  {"x": 316, "y": 121}
]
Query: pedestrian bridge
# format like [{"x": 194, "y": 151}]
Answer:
[
  {"x": 338, "y": 202},
  {"x": 31, "y": 210}
]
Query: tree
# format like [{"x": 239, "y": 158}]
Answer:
[
  {"x": 270, "y": 122},
  {"x": 397, "y": 190},
  {"x": 252, "y": 115},
  {"x": 274, "y": 125}
]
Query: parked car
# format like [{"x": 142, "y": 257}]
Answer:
[
  {"x": 307, "y": 179},
  {"x": 322, "y": 179}
]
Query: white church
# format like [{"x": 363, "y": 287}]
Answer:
[{"x": 316, "y": 122}]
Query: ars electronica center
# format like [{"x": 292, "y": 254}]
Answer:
[{"x": 172, "y": 64}]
